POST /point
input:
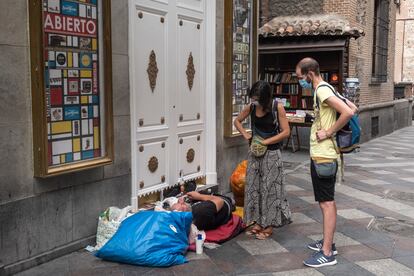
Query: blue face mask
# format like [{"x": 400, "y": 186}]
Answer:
[{"x": 305, "y": 84}]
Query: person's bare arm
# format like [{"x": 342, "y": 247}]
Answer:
[
  {"x": 239, "y": 119},
  {"x": 218, "y": 201},
  {"x": 284, "y": 126},
  {"x": 345, "y": 112}
]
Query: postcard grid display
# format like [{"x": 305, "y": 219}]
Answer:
[
  {"x": 71, "y": 60},
  {"x": 242, "y": 11}
]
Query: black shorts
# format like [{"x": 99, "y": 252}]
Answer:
[{"x": 323, "y": 188}]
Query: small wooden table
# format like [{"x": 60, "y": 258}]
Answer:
[{"x": 296, "y": 125}]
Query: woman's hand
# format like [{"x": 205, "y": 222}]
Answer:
[
  {"x": 265, "y": 142},
  {"x": 247, "y": 136}
]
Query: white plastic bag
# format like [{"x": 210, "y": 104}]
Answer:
[{"x": 108, "y": 224}]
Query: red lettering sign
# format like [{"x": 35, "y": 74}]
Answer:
[{"x": 62, "y": 24}]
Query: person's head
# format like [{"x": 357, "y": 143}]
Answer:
[
  {"x": 181, "y": 206},
  {"x": 307, "y": 70},
  {"x": 262, "y": 93}
]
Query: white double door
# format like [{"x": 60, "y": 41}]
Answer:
[{"x": 172, "y": 68}]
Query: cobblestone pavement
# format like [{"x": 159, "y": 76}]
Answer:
[{"x": 378, "y": 191}]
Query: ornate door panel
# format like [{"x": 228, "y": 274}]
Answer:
[
  {"x": 190, "y": 93},
  {"x": 169, "y": 92}
]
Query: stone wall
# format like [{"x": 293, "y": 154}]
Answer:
[{"x": 41, "y": 218}]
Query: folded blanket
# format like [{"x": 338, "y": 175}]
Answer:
[{"x": 223, "y": 233}]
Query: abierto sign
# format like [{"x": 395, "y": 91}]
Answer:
[
  {"x": 62, "y": 24},
  {"x": 72, "y": 106}
]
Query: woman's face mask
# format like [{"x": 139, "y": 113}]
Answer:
[
  {"x": 305, "y": 84},
  {"x": 254, "y": 101}
]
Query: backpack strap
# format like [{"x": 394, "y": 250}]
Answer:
[
  {"x": 252, "y": 116},
  {"x": 333, "y": 90}
]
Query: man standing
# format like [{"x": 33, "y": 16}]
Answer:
[{"x": 323, "y": 153}]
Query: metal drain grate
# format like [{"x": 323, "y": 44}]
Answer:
[{"x": 388, "y": 225}]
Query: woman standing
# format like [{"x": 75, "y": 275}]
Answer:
[{"x": 265, "y": 198}]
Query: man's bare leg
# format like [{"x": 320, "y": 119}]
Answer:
[{"x": 329, "y": 225}]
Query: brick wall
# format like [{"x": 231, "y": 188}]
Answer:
[{"x": 360, "y": 13}]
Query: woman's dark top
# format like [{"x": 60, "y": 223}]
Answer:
[{"x": 264, "y": 126}]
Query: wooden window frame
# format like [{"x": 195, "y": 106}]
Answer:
[
  {"x": 39, "y": 119},
  {"x": 228, "y": 61},
  {"x": 380, "y": 42}
]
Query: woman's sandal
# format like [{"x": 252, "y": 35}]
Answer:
[
  {"x": 254, "y": 231},
  {"x": 263, "y": 235}
]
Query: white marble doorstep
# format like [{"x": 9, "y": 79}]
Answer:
[{"x": 386, "y": 267}]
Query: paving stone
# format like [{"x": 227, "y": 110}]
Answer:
[
  {"x": 339, "y": 239},
  {"x": 374, "y": 182},
  {"x": 299, "y": 218},
  {"x": 353, "y": 214},
  {"x": 351, "y": 174},
  {"x": 231, "y": 258},
  {"x": 293, "y": 188},
  {"x": 382, "y": 172},
  {"x": 363, "y": 159},
  {"x": 299, "y": 272},
  {"x": 303, "y": 176},
  {"x": 360, "y": 253},
  {"x": 394, "y": 158},
  {"x": 309, "y": 199},
  {"x": 408, "y": 179},
  {"x": 259, "y": 247},
  {"x": 386, "y": 267},
  {"x": 344, "y": 269},
  {"x": 197, "y": 267},
  {"x": 406, "y": 260},
  {"x": 193, "y": 256},
  {"x": 279, "y": 262}
]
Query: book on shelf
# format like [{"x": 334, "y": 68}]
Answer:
[
  {"x": 291, "y": 89},
  {"x": 277, "y": 77},
  {"x": 307, "y": 103},
  {"x": 306, "y": 92}
]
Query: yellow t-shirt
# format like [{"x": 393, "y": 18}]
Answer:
[{"x": 326, "y": 119}]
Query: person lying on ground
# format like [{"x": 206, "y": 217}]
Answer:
[{"x": 209, "y": 211}]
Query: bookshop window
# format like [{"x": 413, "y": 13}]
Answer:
[
  {"x": 380, "y": 46},
  {"x": 71, "y": 85},
  {"x": 240, "y": 58}
]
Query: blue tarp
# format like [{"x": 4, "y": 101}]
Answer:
[{"x": 150, "y": 238}]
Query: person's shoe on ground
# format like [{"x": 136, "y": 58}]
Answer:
[
  {"x": 317, "y": 246},
  {"x": 318, "y": 259}
]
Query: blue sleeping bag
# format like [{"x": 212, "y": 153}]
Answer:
[{"x": 150, "y": 238}]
